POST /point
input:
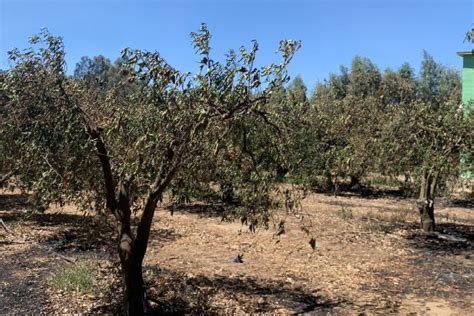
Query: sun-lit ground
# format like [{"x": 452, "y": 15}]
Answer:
[{"x": 369, "y": 257}]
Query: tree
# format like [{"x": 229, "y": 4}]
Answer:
[
  {"x": 297, "y": 90},
  {"x": 427, "y": 132},
  {"x": 345, "y": 108},
  {"x": 7, "y": 167},
  {"x": 98, "y": 73},
  {"x": 364, "y": 77},
  {"x": 125, "y": 150}
]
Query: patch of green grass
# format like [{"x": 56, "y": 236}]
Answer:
[
  {"x": 75, "y": 277},
  {"x": 345, "y": 214}
]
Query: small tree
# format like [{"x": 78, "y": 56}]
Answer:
[{"x": 123, "y": 151}]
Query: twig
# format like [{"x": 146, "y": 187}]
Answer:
[
  {"x": 8, "y": 230},
  {"x": 5, "y": 177}
]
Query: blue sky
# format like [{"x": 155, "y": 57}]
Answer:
[{"x": 389, "y": 32}]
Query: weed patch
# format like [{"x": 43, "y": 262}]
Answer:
[
  {"x": 345, "y": 214},
  {"x": 75, "y": 277}
]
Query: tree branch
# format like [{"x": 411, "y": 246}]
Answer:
[{"x": 5, "y": 177}]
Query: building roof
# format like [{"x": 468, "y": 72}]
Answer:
[{"x": 466, "y": 52}]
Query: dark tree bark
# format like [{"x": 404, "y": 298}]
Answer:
[
  {"x": 134, "y": 301},
  {"x": 426, "y": 200}
]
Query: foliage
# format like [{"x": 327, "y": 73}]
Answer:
[{"x": 79, "y": 143}]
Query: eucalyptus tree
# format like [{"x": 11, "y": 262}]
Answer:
[
  {"x": 297, "y": 90},
  {"x": 122, "y": 152}
]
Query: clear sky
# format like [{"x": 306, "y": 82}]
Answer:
[{"x": 389, "y": 32}]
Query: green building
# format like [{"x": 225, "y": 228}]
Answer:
[
  {"x": 467, "y": 78},
  {"x": 467, "y": 93}
]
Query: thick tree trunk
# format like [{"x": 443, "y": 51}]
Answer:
[
  {"x": 426, "y": 200},
  {"x": 134, "y": 300}
]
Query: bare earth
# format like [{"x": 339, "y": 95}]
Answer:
[{"x": 370, "y": 258}]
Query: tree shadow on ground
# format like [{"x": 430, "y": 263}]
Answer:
[
  {"x": 449, "y": 239},
  {"x": 93, "y": 233},
  {"x": 178, "y": 293},
  {"x": 364, "y": 192},
  {"x": 13, "y": 202},
  {"x": 353, "y": 204},
  {"x": 72, "y": 232},
  {"x": 21, "y": 276},
  {"x": 457, "y": 202},
  {"x": 15, "y": 207},
  {"x": 201, "y": 209}
]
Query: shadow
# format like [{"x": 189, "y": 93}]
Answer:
[
  {"x": 164, "y": 235},
  {"x": 84, "y": 233},
  {"x": 349, "y": 205},
  {"x": 375, "y": 193},
  {"x": 456, "y": 239},
  {"x": 13, "y": 202},
  {"x": 22, "y": 275},
  {"x": 446, "y": 263},
  {"x": 368, "y": 192},
  {"x": 13, "y": 208},
  {"x": 465, "y": 203},
  {"x": 201, "y": 209},
  {"x": 387, "y": 227},
  {"x": 93, "y": 233},
  {"x": 177, "y": 293},
  {"x": 458, "y": 230},
  {"x": 46, "y": 219}
]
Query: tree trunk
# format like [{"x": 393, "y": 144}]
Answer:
[
  {"x": 328, "y": 184},
  {"x": 426, "y": 209},
  {"x": 134, "y": 294},
  {"x": 131, "y": 258},
  {"x": 134, "y": 299},
  {"x": 426, "y": 200}
]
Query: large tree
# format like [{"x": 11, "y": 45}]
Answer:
[{"x": 123, "y": 151}]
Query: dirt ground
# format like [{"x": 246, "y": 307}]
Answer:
[{"x": 370, "y": 258}]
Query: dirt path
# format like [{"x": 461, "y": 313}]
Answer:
[{"x": 369, "y": 258}]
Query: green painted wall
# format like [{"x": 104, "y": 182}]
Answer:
[
  {"x": 467, "y": 81},
  {"x": 467, "y": 95}
]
